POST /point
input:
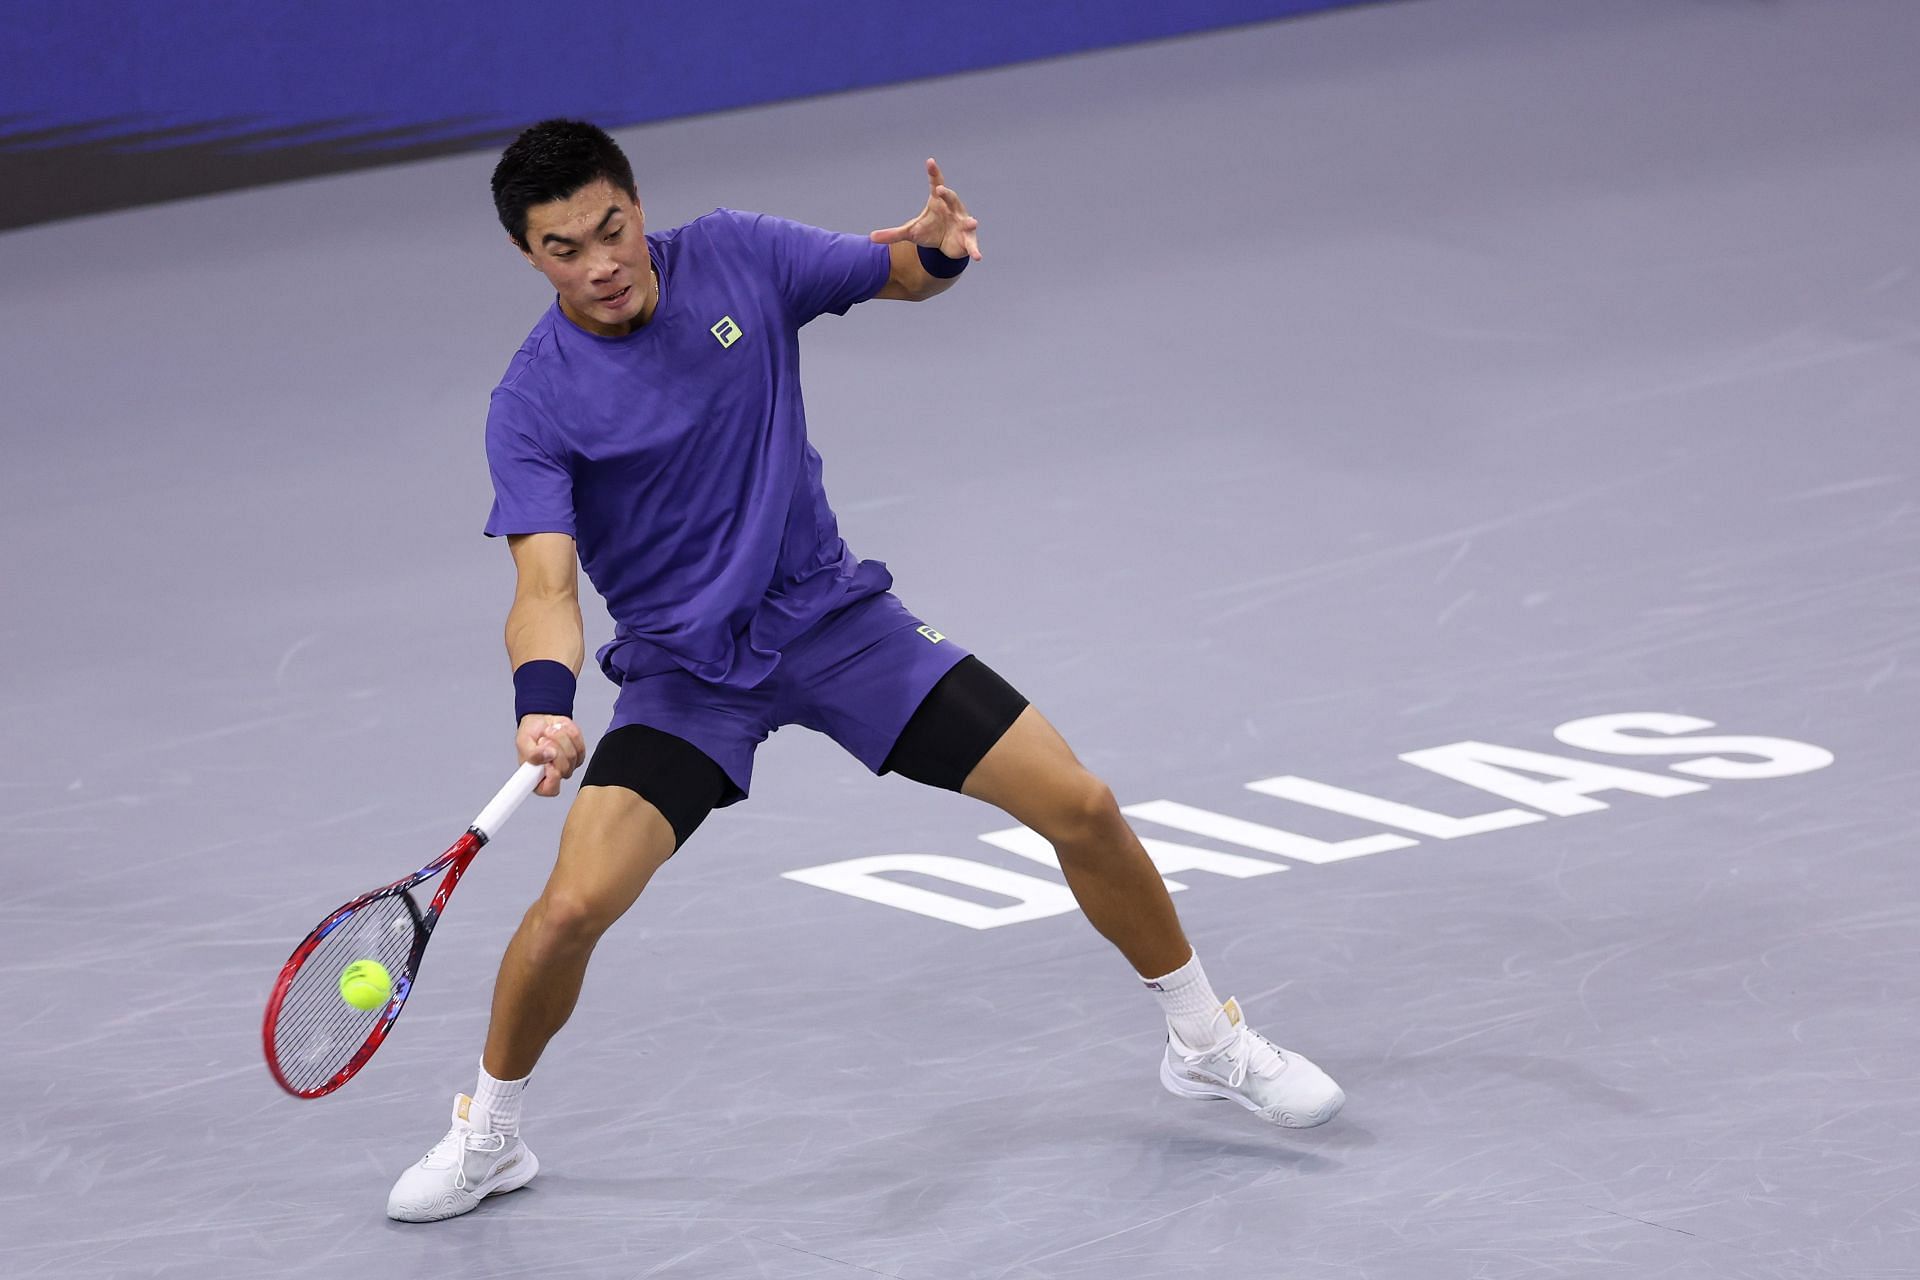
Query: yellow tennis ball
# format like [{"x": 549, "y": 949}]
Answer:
[{"x": 366, "y": 984}]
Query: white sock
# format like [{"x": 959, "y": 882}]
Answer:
[
  {"x": 1187, "y": 998},
  {"x": 499, "y": 1101}
]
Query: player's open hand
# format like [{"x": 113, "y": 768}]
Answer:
[
  {"x": 554, "y": 741},
  {"x": 944, "y": 224}
]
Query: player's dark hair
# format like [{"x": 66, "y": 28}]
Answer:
[{"x": 551, "y": 161}]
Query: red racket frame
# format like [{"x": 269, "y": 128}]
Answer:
[{"x": 454, "y": 862}]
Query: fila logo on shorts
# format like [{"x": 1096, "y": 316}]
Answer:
[
  {"x": 931, "y": 634},
  {"x": 727, "y": 331}
]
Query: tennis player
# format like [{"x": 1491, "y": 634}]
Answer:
[{"x": 651, "y": 430}]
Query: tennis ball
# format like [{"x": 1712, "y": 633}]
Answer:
[{"x": 366, "y": 984}]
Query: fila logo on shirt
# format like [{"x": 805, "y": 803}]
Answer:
[
  {"x": 931, "y": 634},
  {"x": 726, "y": 331}
]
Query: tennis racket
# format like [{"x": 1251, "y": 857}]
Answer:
[{"x": 315, "y": 1040}]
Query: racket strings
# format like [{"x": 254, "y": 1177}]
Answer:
[{"x": 318, "y": 1033}]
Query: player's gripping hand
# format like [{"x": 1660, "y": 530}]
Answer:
[
  {"x": 944, "y": 224},
  {"x": 554, "y": 741}
]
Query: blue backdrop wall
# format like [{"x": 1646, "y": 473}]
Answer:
[{"x": 109, "y": 102}]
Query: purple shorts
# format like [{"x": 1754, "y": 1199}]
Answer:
[{"x": 857, "y": 675}]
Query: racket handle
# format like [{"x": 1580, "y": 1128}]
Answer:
[{"x": 510, "y": 797}]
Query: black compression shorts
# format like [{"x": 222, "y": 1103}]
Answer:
[{"x": 950, "y": 732}]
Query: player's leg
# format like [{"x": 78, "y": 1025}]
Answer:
[
  {"x": 643, "y": 794},
  {"x": 974, "y": 734},
  {"x": 905, "y": 699},
  {"x": 613, "y": 842},
  {"x": 1033, "y": 775}
]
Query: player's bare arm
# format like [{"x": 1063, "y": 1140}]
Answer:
[
  {"x": 544, "y": 623},
  {"x": 944, "y": 226}
]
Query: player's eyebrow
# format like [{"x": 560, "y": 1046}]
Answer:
[{"x": 555, "y": 238}]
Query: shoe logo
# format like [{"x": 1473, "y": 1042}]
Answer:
[
  {"x": 931, "y": 634},
  {"x": 726, "y": 331},
  {"x": 508, "y": 1165}
]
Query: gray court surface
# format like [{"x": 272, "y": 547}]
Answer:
[{"x": 1333, "y": 391}]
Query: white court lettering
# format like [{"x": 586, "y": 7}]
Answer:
[
  {"x": 1031, "y": 897},
  {"x": 1500, "y": 770},
  {"x": 1390, "y": 813},
  {"x": 1778, "y": 757},
  {"x": 1254, "y": 835},
  {"x": 1559, "y": 786},
  {"x": 1166, "y": 854}
]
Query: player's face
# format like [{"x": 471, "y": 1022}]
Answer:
[{"x": 592, "y": 247}]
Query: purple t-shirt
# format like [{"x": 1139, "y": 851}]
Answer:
[{"x": 677, "y": 456}]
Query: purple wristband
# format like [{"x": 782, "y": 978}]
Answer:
[
  {"x": 939, "y": 265},
  {"x": 542, "y": 687}
]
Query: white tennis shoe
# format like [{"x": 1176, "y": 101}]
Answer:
[
  {"x": 464, "y": 1168},
  {"x": 1280, "y": 1087}
]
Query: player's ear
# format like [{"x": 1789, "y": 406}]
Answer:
[{"x": 524, "y": 252}]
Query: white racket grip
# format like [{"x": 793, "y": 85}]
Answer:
[{"x": 510, "y": 797}]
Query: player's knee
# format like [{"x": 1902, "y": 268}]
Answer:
[
  {"x": 570, "y": 919},
  {"x": 1085, "y": 814}
]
